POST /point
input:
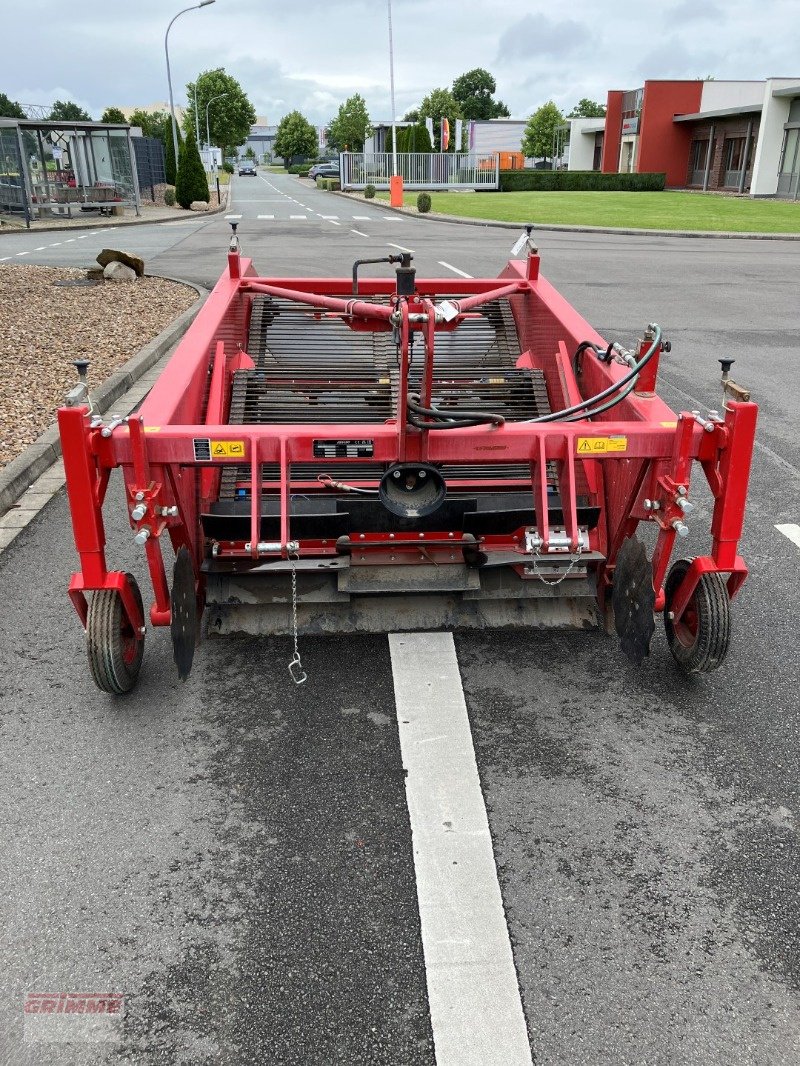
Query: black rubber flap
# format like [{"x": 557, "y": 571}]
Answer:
[
  {"x": 183, "y": 626},
  {"x": 634, "y": 600}
]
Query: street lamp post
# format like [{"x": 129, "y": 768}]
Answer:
[
  {"x": 203, "y": 3},
  {"x": 391, "y": 91},
  {"x": 208, "y": 131}
]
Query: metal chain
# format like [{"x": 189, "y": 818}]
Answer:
[
  {"x": 298, "y": 674},
  {"x": 537, "y": 554}
]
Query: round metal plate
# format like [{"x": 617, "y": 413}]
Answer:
[
  {"x": 184, "y": 623},
  {"x": 634, "y": 600}
]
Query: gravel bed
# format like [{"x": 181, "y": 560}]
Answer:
[{"x": 44, "y": 327}]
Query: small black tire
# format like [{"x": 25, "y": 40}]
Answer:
[
  {"x": 115, "y": 651},
  {"x": 699, "y": 641}
]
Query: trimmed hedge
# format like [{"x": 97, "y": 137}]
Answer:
[
  {"x": 423, "y": 203},
  {"x": 329, "y": 184},
  {"x": 301, "y": 169},
  {"x": 578, "y": 181}
]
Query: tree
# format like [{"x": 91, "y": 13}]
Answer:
[
  {"x": 537, "y": 141},
  {"x": 295, "y": 137},
  {"x": 67, "y": 111},
  {"x": 438, "y": 104},
  {"x": 412, "y": 115},
  {"x": 191, "y": 183},
  {"x": 229, "y": 117},
  {"x": 475, "y": 94},
  {"x": 587, "y": 109},
  {"x": 350, "y": 128},
  {"x": 112, "y": 114},
  {"x": 418, "y": 138},
  {"x": 10, "y": 108}
]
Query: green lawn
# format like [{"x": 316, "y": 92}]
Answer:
[{"x": 641, "y": 210}]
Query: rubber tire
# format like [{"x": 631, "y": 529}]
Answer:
[
  {"x": 114, "y": 658},
  {"x": 711, "y": 606}
]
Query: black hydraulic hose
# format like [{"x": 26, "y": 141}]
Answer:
[
  {"x": 604, "y": 407},
  {"x": 556, "y": 416},
  {"x": 464, "y": 418}
]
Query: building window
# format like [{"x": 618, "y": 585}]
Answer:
[{"x": 697, "y": 162}]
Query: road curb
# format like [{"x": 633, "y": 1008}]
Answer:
[
  {"x": 460, "y": 220},
  {"x": 21, "y": 472},
  {"x": 91, "y": 224}
]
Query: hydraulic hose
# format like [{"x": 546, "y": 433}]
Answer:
[
  {"x": 445, "y": 420},
  {"x": 557, "y": 416}
]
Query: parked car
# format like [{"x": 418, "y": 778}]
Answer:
[
  {"x": 324, "y": 170},
  {"x": 247, "y": 168}
]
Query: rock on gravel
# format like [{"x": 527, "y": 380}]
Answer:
[{"x": 44, "y": 327}]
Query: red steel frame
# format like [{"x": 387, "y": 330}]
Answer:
[{"x": 171, "y": 487}]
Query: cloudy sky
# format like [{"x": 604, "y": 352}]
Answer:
[{"x": 312, "y": 54}]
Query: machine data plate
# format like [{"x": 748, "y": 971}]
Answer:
[{"x": 344, "y": 449}]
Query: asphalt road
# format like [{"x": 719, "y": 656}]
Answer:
[{"x": 234, "y": 855}]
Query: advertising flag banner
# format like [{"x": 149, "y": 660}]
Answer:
[
  {"x": 429, "y": 128},
  {"x": 459, "y": 128},
  {"x": 445, "y": 134},
  {"x": 472, "y": 135}
]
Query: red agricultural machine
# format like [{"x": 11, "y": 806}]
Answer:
[{"x": 336, "y": 455}]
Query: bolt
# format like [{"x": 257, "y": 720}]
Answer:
[
  {"x": 680, "y": 528},
  {"x": 671, "y": 616},
  {"x": 422, "y": 536},
  {"x": 142, "y": 630},
  {"x": 139, "y": 496},
  {"x": 142, "y": 537},
  {"x": 681, "y": 490},
  {"x": 648, "y": 505},
  {"x": 138, "y": 513},
  {"x": 361, "y": 536},
  {"x": 451, "y": 535},
  {"x": 396, "y": 473},
  {"x": 391, "y": 536},
  {"x": 685, "y": 505},
  {"x": 422, "y": 473}
]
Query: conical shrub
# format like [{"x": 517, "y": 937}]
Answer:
[{"x": 191, "y": 183}]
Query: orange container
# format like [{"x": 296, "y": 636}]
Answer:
[{"x": 396, "y": 191}]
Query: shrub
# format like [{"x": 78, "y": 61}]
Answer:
[
  {"x": 329, "y": 184},
  {"x": 191, "y": 183},
  {"x": 301, "y": 169},
  {"x": 578, "y": 181},
  {"x": 423, "y": 203},
  {"x": 169, "y": 196},
  {"x": 369, "y": 192},
  {"x": 228, "y": 168}
]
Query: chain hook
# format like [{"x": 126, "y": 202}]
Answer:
[{"x": 296, "y": 671}]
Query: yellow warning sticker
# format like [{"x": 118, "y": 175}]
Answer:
[
  {"x": 601, "y": 445},
  {"x": 225, "y": 449},
  {"x": 152, "y": 429}
]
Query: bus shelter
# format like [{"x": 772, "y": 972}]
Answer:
[{"x": 65, "y": 168}]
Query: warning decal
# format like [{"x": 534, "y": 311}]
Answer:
[
  {"x": 601, "y": 445},
  {"x": 205, "y": 450},
  {"x": 227, "y": 449}
]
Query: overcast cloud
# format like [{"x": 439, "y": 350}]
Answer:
[{"x": 312, "y": 54}]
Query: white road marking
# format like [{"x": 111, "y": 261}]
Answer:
[
  {"x": 329, "y": 218},
  {"x": 399, "y": 247},
  {"x": 5, "y": 258},
  {"x": 475, "y": 1005},
  {"x": 390, "y": 218},
  {"x": 362, "y": 218},
  {"x": 57, "y": 244},
  {"x": 23, "y": 253},
  {"x": 333, "y": 223},
  {"x": 360, "y": 234},
  {"x": 265, "y": 216},
  {"x": 69, "y": 240},
  {"x": 231, "y": 218},
  {"x": 790, "y": 530},
  {"x": 455, "y": 270},
  {"x": 40, "y": 249},
  {"x": 82, "y": 236},
  {"x": 304, "y": 217}
]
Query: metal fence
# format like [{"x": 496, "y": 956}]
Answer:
[
  {"x": 150, "y": 164},
  {"x": 422, "y": 170}
]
